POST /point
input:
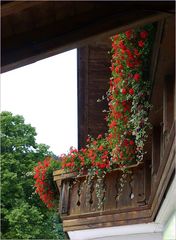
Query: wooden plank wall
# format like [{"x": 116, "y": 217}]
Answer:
[{"x": 93, "y": 82}]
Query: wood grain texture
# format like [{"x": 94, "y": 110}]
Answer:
[
  {"x": 93, "y": 82},
  {"x": 35, "y": 30}
]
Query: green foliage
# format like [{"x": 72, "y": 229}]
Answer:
[{"x": 23, "y": 215}]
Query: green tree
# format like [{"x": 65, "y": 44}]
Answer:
[{"x": 23, "y": 215}]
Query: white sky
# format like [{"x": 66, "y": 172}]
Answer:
[{"x": 45, "y": 94}]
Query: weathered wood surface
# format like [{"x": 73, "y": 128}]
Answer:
[
  {"x": 93, "y": 82},
  {"x": 35, "y": 30},
  {"x": 83, "y": 202}
]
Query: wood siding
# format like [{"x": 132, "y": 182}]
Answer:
[
  {"x": 33, "y": 30},
  {"x": 93, "y": 82}
]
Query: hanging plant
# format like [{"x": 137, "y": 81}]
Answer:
[
  {"x": 129, "y": 95},
  {"x": 122, "y": 147},
  {"x": 45, "y": 187}
]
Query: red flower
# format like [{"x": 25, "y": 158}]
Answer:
[
  {"x": 115, "y": 37},
  {"x": 117, "y": 115},
  {"x": 131, "y": 57},
  {"x": 128, "y": 34},
  {"x": 117, "y": 80},
  {"x": 117, "y": 69},
  {"x": 121, "y": 45},
  {"x": 100, "y": 148},
  {"x": 90, "y": 153},
  {"x": 130, "y": 64},
  {"x": 131, "y": 91},
  {"x": 136, "y": 52},
  {"x": 128, "y": 52},
  {"x": 102, "y": 165},
  {"x": 107, "y": 165},
  {"x": 124, "y": 91},
  {"x": 112, "y": 67},
  {"x": 88, "y": 139},
  {"x": 41, "y": 184},
  {"x": 109, "y": 137},
  {"x": 126, "y": 142},
  {"x": 114, "y": 46},
  {"x": 140, "y": 43},
  {"x": 136, "y": 77},
  {"x": 99, "y": 136},
  {"x": 144, "y": 34},
  {"x": 113, "y": 124},
  {"x": 124, "y": 102},
  {"x": 125, "y": 109},
  {"x": 131, "y": 142}
]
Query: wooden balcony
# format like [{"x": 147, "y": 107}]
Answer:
[
  {"x": 79, "y": 204},
  {"x": 147, "y": 185},
  {"x": 138, "y": 203}
]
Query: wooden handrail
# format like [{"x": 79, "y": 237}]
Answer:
[{"x": 61, "y": 174}]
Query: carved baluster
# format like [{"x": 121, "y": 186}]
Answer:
[
  {"x": 120, "y": 185},
  {"x": 141, "y": 198},
  {"x": 79, "y": 194},
  {"x": 100, "y": 190},
  {"x": 89, "y": 193},
  {"x": 65, "y": 195},
  {"x": 131, "y": 180}
]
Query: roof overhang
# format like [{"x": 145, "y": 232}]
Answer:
[{"x": 35, "y": 30}]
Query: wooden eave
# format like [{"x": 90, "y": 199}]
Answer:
[{"x": 33, "y": 30}]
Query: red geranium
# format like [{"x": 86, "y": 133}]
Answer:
[
  {"x": 124, "y": 91},
  {"x": 140, "y": 43},
  {"x": 144, "y": 34},
  {"x": 42, "y": 182},
  {"x": 131, "y": 91},
  {"x": 136, "y": 77},
  {"x": 128, "y": 34}
]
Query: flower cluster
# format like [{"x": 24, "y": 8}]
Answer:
[
  {"x": 127, "y": 119},
  {"x": 128, "y": 99},
  {"x": 95, "y": 155},
  {"x": 44, "y": 181},
  {"x": 129, "y": 95}
]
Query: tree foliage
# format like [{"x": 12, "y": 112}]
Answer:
[{"x": 23, "y": 215}]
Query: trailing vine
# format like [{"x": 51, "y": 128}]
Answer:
[{"x": 122, "y": 146}]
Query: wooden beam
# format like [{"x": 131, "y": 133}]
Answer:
[
  {"x": 82, "y": 73},
  {"x": 156, "y": 148},
  {"x": 29, "y": 52},
  {"x": 107, "y": 220},
  {"x": 15, "y": 7}
]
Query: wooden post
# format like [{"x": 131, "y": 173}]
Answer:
[
  {"x": 65, "y": 192},
  {"x": 168, "y": 106},
  {"x": 156, "y": 145}
]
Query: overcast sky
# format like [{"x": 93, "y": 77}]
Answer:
[{"x": 45, "y": 93}]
